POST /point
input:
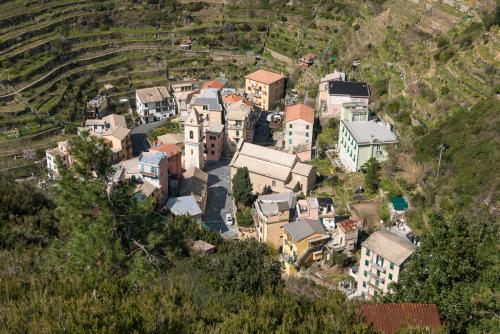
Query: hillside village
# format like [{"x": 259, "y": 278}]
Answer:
[
  {"x": 322, "y": 162},
  {"x": 192, "y": 172}
]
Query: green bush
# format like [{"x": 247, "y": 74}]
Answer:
[{"x": 244, "y": 217}]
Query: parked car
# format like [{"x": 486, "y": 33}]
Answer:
[{"x": 229, "y": 219}]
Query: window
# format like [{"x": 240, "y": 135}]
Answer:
[
  {"x": 366, "y": 263},
  {"x": 290, "y": 141},
  {"x": 390, "y": 277},
  {"x": 380, "y": 261},
  {"x": 378, "y": 273},
  {"x": 205, "y": 107},
  {"x": 307, "y": 134},
  {"x": 290, "y": 126},
  {"x": 364, "y": 284},
  {"x": 307, "y": 127},
  {"x": 391, "y": 266},
  {"x": 237, "y": 133},
  {"x": 212, "y": 145},
  {"x": 213, "y": 152},
  {"x": 367, "y": 252},
  {"x": 365, "y": 273},
  {"x": 290, "y": 133},
  {"x": 191, "y": 135},
  {"x": 274, "y": 183},
  {"x": 191, "y": 151}
]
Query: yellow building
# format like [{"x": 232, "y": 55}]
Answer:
[
  {"x": 265, "y": 88},
  {"x": 270, "y": 213},
  {"x": 303, "y": 243}
]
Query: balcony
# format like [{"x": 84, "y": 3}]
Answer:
[
  {"x": 379, "y": 279},
  {"x": 378, "y": 288},
  {"x": 378, "y": 267},
  {"x": 149, "y": 173}
]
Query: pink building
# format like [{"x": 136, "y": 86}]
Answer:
[
  {"x": 174, "y": 154},
  {"x": 153, "y": 168},
  {"x": 340, "y": 92},
  {"x": 308, "y": 208},
  {"x": 214, "y": 142}
]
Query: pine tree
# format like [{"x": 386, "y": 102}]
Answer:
[
  {"x": 372, "y": 176},
  {"x": 242, "y": 187}
]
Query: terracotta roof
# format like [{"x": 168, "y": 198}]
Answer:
[
  {"x": 169, "y": 149},
  {"x": 388, "y": 318},
  {"x": 264, "y": 76},
  {"x": 232, "y": 98},
  {"x": 213, "y": 84},
  {"x": 347, "y": 225},
  {"x": 299, "y": 111}
]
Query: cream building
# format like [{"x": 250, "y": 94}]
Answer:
[
  {"x": 270, "y": 213},
  {"x": 303, "y": 244},
  {"x": 265, "y": 88},
  {"x": 383, "y": 256},
  {"x": 298, "y": 130},
  {"x": 273, "y": 170},
  {"x": 240, "y": 121}
]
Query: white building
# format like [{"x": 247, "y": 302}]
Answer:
[
  {"x": 298, "y": 132},
  {"x": 383, "y": 256},
  {"x": 154, "y": 104},
  {"x": 61, "y": 151},
  {"x": 361, "y": 141}
]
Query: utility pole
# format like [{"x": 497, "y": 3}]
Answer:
[{"x": 441, "y": 148}]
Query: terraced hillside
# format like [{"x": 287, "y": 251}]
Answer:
[{"x": 54, "y": 55}]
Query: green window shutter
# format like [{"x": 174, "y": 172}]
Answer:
[
  {"x": 390, "y": 276},
  {"x": 364, "y": 284},
  {"x": 365, "y": 273},
  {"x": 391, "y": 266},
  {"x": 367, "y": 252},
  {"x": 366, "y": 263}
]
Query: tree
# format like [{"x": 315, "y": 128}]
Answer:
[
  {"x": 457, "y": 268},
  {"x": 372, "y": 176},
  {"x": 242, "y": 187},
  {"x": 247, "y": 266}
]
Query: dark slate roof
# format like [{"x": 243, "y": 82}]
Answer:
[
  {"x": 389, "y": 318},
  {"x": 351, "y": 88},
  {"x": 324, "y": 201}
]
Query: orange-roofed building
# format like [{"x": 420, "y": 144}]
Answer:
[
  {"x": 216, "y": 84},
  {"x": 393, "y": 318},
  {"x": 265, "y": 88},
  {"x": 298, "y": 132},
  {"x": 232, "y": 98},
  {"x": 174, "y": 154}
]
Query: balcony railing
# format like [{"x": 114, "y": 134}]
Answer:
[
  {"x": 378, "y": 288},
  {"x": 377, "y": 266},
  {"x": 150, "y": 174},
  {"x": 377, "y": 278}
]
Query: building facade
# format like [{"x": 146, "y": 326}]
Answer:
[
  {"x": 383, "y": 256},
  {"x": 340, "y": 92},
  {"x": 361, "y": 141},
  {"x": 60, "y": 152},
  {"x": 298, "y": 131},
  {"x": 241, "y": 121},
  {"x": 174, "y": 156},
  {"x": 271, "y": 213},
  {"x": 154, "y": 104},
  {"x": 193, "y": 141},
  {"x": 214, "y": 142},
  {"x": 265, "y": 88},
  {"x": 153, "y": 167},
  {"x": 303, "y": 243},
  {"x": 208, "y": 105},
  {"x": 272, "y": 170}
]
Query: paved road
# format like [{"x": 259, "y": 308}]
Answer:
[
  {"x": 138, "y": 136},
  {"x": 219, "y": 202}
]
